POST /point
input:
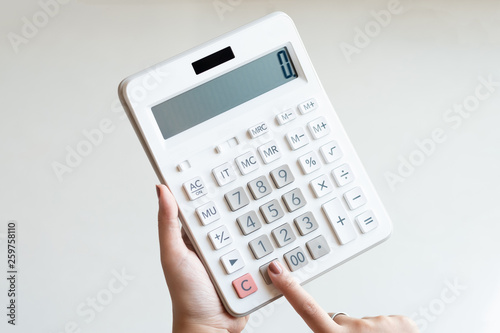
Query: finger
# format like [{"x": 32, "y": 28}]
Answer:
[
  {"x": 171, "y": 243},
  {"x": 342, "y": 320},
  {"x": 314, "y": 316}
]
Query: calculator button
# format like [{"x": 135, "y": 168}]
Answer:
[
  {"x": 261, "y": 246},
  {"x": 183, "y": 166},
  {"x": 237, "y": 198},
  {"x": 269, "y": 152},
  {"x": 343, "y": 175},
  {"x": 232, "y": 261},
  {"x": 355, "y": 198},
  {"x": 297, "y": 138},
  {"x": 208, "y": 213},
  {"x": 258, "y": 130},
  {"x": 308, "y": 106},
  {"x": 306, "y": 223},
  {"x": 225, "y": 146},
  {"x": 367, "y": 221},
  {"x": 260, "y": 187},
  {"x": 296, "y": 259},
  {"x": 249, "y": 222},
  {"x": 331, "y": 152},
  {"x": 339, "y": 220},
  {"x": 264, "y": 273},
  {"x": 244, "y": 285},
  {"x": 294, "y": 200},
  {"x": 309, "y": 162},
  {"x": 283, "y": 235},
  {"x": 285, "y": 117},
  {"x": 224, "y": 174},
  {"x": 321, "y": 186},
  {"x": 318, "y": 247},
  {"x": 318, "y": 128},
  {"x": 272, "y": 211},
  {"x": 247, "y": 163},
  {"x": 220, "y": 237},
  {"x": 282, "y": 176},
  {"x": 195, "y": 188}
]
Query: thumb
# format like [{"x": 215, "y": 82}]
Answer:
[{"x": 171, "y": 243}]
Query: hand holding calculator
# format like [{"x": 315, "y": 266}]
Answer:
[{"x": 246, "y": 139}]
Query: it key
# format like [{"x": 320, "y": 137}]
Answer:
[{"x": 244, "y": 285}]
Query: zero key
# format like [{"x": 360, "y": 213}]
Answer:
[{"x": 244, "y": 285}]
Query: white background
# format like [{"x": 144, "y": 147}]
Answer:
[{"x": 76, "y": 230}]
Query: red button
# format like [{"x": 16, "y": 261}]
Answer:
[{"x": 244, "y": 285}]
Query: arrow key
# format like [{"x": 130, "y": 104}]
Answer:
[{"x": 232, "y": 261}]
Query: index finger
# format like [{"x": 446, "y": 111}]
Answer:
[{"x": 314, "y": 316}]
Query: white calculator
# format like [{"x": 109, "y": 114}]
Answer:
[{"x": 242, "y": 132}]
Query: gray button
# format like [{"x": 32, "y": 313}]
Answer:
[
  {"x": 263, "y": 271},
  {"x": 283, "y": 235},
  {"x": 249, "y": 222},
  {"x": 296, "y": 259},
  {"x": 237, "y": 198},
  {"x": 318, "y": 247},
  {"x": 282, "y": 176},
  {"x": 306, "y": 223},
  {"x": 272, "y": 211},
  {"x": 294, "y": 200},
  {"x": 261, "y": 246},
  {"x": 260, "y": 187}
]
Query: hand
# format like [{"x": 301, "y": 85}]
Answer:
[
  {"x": 321, "y": 322},
  {"x": 196, "y": 306}
]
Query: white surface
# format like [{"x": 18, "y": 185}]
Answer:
[{"x": 78, "y": 233}]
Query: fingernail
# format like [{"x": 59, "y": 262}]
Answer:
[
  {"x": 275, "y": 268},
  {"x": 158, "y": 191}
]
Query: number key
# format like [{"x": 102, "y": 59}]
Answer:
[
  {"x": 294, "y": 200},
  {"x": 306, "y": 223},
  {"x": 282, "y": 176},
  {"x": 296, "y": 259},
  {"x": 249, "y": 222},
  {"x": 259, "y": 187},
  {"x": 283, "y": 235},
  {"x": 261, "y": 246},
  {"x": 237, "y": 199},
  {"x": 272, "y": 211}
]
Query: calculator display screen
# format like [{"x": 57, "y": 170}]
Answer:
[{"x": 224, "y": 92}]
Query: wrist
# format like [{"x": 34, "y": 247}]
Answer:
[{"x": 198, "y": 328}]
